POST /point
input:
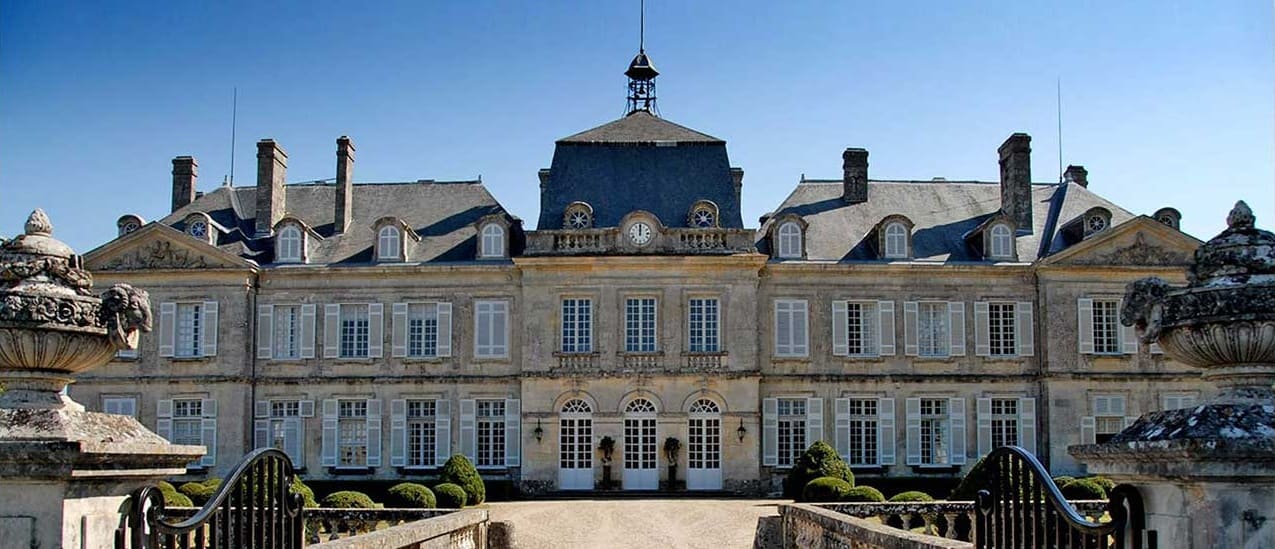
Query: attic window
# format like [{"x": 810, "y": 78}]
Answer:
[
  {"x": 492, "y": 243},
  {"x": 896, "y": 241},
  {"x": 288, "y": 244},
  {"x": 790, "y": 240},
  {"x": 703, "y": 215},
  {"x": 577, "y": 216},
  {"x": 199, "y": 226},
  {"x": 129, "y": 227},
  {"x": 388, "y": 244},
  {"x": 198, "y": 229},
  {"x": 1095, "y": 223},
  {"x": 1002, "y": 242},
  {"x": 128, "y": 224}
]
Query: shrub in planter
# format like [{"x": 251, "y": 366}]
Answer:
[
  {"x": 198, "y": 492},
  {"x": 819, "y": 460},
  {"x": 173, "y": 498},
  {"x": 459, "y": 471},
  {"x": 409, "y": 495},
  {"x": 825, "y": 490},
  {"x": 450, "y": 496},
  {"x": 1106, "y": 483},
  {"x": 863, "y": 494},
  {"x": 1083, "y": 489},
  {"x": 911, "y": 496},
  {"x": 347, "y": 499}
]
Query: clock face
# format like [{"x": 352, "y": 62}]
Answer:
[{"x": 640, "y": 233}]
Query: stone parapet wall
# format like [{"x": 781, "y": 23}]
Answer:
[
  {"x": 814, "y": 527},
  {"x": 465, "y": 528}
]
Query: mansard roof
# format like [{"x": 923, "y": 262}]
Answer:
[
  {"x": 442, "y": 213},
  {"x": 943, "y": 213}
]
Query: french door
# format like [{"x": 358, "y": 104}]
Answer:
[
  {"x": 575, "y": 446},
  {"x": 641, "y": 471},
  {"x": 704, "y": 446}
]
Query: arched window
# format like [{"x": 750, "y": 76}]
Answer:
[
  {"x": 640, "y": 406},
  {"x": 288, "y": 245},
  {"x": 576, "y": 406},
  {"x": 790, "y": 240},
  {"x": 493, "y": 241},
  {"x": 198, "y": 229},
  {"x": 578, "y": 216},
  {"x": 388, "y": 245},
  {"x": 705, "y": 406},
  {"x": 1002, "y": 242},
  {"x": 896, "y": 241},
  {"x": 703, "y": 215}
]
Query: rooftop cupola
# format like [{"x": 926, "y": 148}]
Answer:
[{"x": 642, "y": 75}]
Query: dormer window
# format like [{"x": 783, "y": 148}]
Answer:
[
  {"x": 703, "y": 215},
  {"x": 1169, "y": 217},
  {"x": 1002, "y": 242},
  {"x": 128, "y": 224},
  {"x": 288, "y": 244},
  {"x": 789, "y": 240},
  {"x": 200, "y": 226},
  {"x": 389, "y": 244},
  {"x": 492, "y": 244},
  {"x": 578, "y": 215},
  {"x": 896, "y": 241},
  {"x": 1096, "y": 220},
  {"x": 198, "y": 229}
]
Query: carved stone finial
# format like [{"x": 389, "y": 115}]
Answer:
[
  {"x": 1241, "y": 217},
  {"x": 38, "y": 223}
]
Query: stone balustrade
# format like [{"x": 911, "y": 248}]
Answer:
[
  {"x": 706, "y": 362},
  {"x": 577, "y": 362},
  {"x": 641, "y": 362},
  {"x": 670, "y": 240}
]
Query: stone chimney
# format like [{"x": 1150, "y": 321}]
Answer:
[
  {"x": 854, "y": 166},
  {"x": 1016, "y": 179},
  {"x": 185, "y": 172},
  {"x": 1078, "y": 175},
  {"x": 344, "y": 185},
  {"x": 272, "y": 168}
]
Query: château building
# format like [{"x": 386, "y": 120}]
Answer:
[{"x": 373, "y": 330}]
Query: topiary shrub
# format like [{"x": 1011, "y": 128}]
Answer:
[
  {"x": 911, "y": 496},
  {"x": 819, "y": 460},
  {"x": 347, "y": 499},
  {"x": 825, "y": 490},
  {"x": 863, "y": 494},
  {"x": 198, "y": 492},
  {"x": 459, "y": 471},
  {"x": 450, "y": 496},
  {"x": 408, "y": 495},
  {"x": 1083, "y": 489},
  {"x": 1106, "y": 483},
  {"x": 173, "y": 498},
  {"x": 307, "y": 494}
]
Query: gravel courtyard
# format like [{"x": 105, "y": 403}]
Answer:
[{"x": 707, "y": 523}]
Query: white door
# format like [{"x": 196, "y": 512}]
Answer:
[
  {"x": 641, "y": 471},
  {"x": 704, "y": 448},
  {"x": 575, "y": 446}
]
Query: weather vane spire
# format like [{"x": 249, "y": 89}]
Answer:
[{"x": 641, "y": 74}]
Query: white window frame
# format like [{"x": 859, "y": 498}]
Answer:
[
  {"x": 389, "y": 243},
  {"x": 938, "y": 425},
  {"x": 355, "y": 341},
  {"x": 352, "y": 433},
  {"x": 792, "y": 328},
  {"x": 422, "y": 432},
  {"x": 492, "y": 243},
  {"x": 1178, "y": 400},
  {"x": 703, "y": 324},
  {"x": 286, "y": 328},
  {"x": 1108, "y": 322},
  {"x": 120, "y": 404},
  {"x": 863, "y": 418},
  {"x": 862, "y": 328},
  {"x": 792, "y": 415},
  {"x": 1005, "y": 421},
  {"x": 491, "y": 328},
  {"x": 418, "y": 330},
  {"x": 189, "y": 330},
  {"x": 935, "y": 342},
  {"x": 1002, "y": 328},
  {"x": 288, "y": 245},
  {"x": 489, "y": 428},
  {"x": 576, "y": 315},
  {"x": 1002, "y": 241},
  {"x": 896, "y": 240},
  {"x": 790, "y": 240},
  {"x": 641, "y": 324}
]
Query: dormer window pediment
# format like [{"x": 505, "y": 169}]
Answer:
[{"x": 788, "y": 237}]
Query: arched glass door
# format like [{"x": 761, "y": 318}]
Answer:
[
  {"x": 575, "y": 446},
  {"x": 641, "y": 471},
  {"x": 704, "y": 447}
]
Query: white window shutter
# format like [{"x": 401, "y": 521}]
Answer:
[
  {"x": 375, "y": 330},
  {"x": 442, "y": 431},
  {"x": 956, "y": 415},
  {"x": 1128, "y": 338},
  {"x": 885, "y": 431},
  {"x": 841, "y": 427},
  {"x": 332, "y": 335},
  {"x": 307, "y": 335},
  {"x": 260, "y": 433},
  {"x": 1087, "y": 430},
  {"x": 1024, "y": 328},
  {"x": 265, "y": 331},
  {"x": 500, "y": 330},
  {"x": 1027, "y": 424},
  {"x": 909, "y": 339},
  {"x": 814, "y": 420},
  {"x": 209, "y": 323},
  {"x": 1117, "y": 405},
  {"x": 800, "y": 331},
  {"x": 840, "y": 342},
  {"x": 328, "y": 450},
  {"x": 398, "y": 429},
  {"x": 983, "y": 415},
  {"x": 261, "y": 409},
  {"x": 885, "y": 333},
  {"x": 294, "y": 441},
  {"x": 513, "y": 432},
  {"x": 982, "y": 329},
  {"x": 167, "y": 328},
  {"x": 444, "y": 329},
  {"x": 398, "y": 331},
  {"x": 1084, "y": 310},
  {"x": 373, "y": 433},
  {"x": 468, "y": 442},
  {"x": 783, "y": 328},
  {"x": 164, "y": 418},
  {"x": 770, "y": 431},
  {"x": 912, "y": 413},
  {"x": 956, "y": 312},
  {"x": 306, "y": 408},
  {"x": 208, "y": 428}
]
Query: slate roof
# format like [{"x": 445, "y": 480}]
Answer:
[
  {"x": 640, "y": 127},
  {"x": 442, "y": 213},
  {"x": 943, "y": 214}
]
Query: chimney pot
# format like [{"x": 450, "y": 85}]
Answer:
[
  {"x": 272, "y": 169},
  {"x": 1078, "y": 175},
  {"x": 344, "y": 214},
  {"x": 1016, "y": 179},
  {"x": 854, "y": 180},
  {"x": 185, "y": 174}
]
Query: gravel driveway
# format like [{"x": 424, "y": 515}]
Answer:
[{"x": 707, "y": 523}]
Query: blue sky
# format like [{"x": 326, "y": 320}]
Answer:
[{"x": 1166, "y": 103}]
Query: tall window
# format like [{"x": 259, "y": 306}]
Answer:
[
  {"x": 932, "y": 329},
  {"x": 421, "y": 439},
  {"x": 577, "y": 325},
  {"x": 896, "y": 241},
  {"x": 1109, "y": 418},
  {"x": 863, "y": 431},
  {"x": 934, "y": 431},
  {"x": 189, "y": 330},
  {"x": 491, "y": 433},
  {"x": 1001, "y": 327},
  {"x": 1106, "y": 326},
  {"x": 791, "y": 336},
  {"x": 792, "y": 430},
  {"x": 790, "y": 240},
  {"x": 639, "y": 325},
  {"x": 187, "y": 418},
  {"x": 280, "y": 411},
  {"x": 1004, "y": 422},
  {"x": 354, "y": 331},
  {"x": 493, "y": 241},
  {"x": 491, "y": 320},
  {"x": 861, "y": 328},
  {"x": 422, "y": 330},
  {"x": 287, "y": 331},
  {"x": 388, "y": 243},
  {"x": 288, "y": 245},
  {"x": 704, "y": 323},
  {"x": 352, "y": 433},
  {"x": 1002, "y": 242}
]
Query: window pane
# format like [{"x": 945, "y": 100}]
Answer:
[{"x": 1000, "y": 329}]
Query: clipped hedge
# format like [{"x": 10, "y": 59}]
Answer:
[
  {"x": 819, "y": 460},
  {"x": 911, "y": 496},
  {"x": 450, "y": 496},
  {"x": 307, "y": 494},
  {"x": 409, "y": 495},
  {"x": 460, "y": 471},
  {"x": 198, "y": 492},
  {"x": 1106, "y": 483},
  {"x": 825, "y": 490},
  {"x": 1083, "y": 489},
  {"x": 173, "y": 498},
  {"x": 347, "y": 499},
  {"x": 863, "y": 494}
]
